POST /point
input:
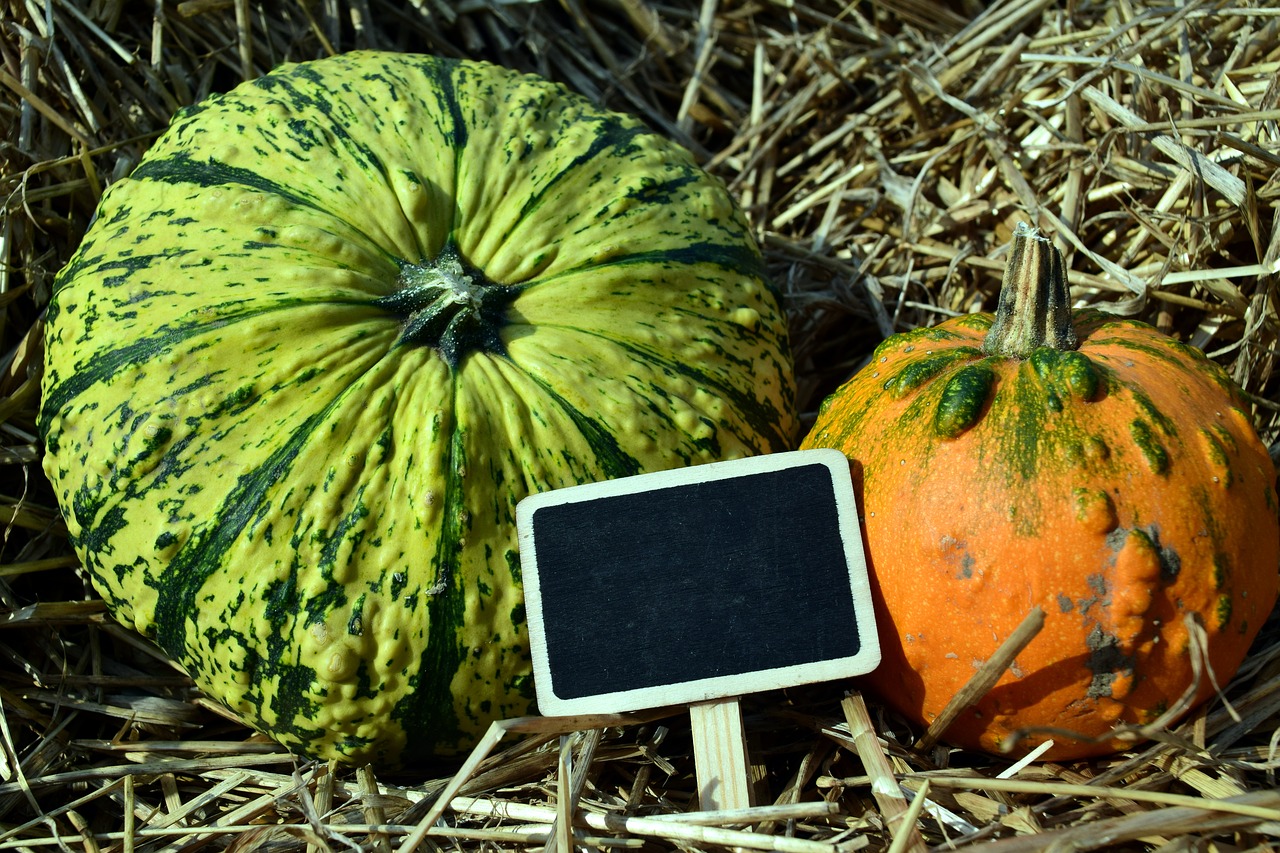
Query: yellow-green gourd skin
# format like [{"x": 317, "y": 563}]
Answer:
[{"x": 335, "y": 326}]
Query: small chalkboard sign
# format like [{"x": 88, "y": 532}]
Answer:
[{"x": 694, "y": 584}]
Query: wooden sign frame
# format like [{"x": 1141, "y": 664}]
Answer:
[{"x": 593, "y": 519}]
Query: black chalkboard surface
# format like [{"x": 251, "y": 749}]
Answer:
[{"x": 695, "y": 584}]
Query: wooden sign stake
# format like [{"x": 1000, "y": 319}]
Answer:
[{"x": 720, "y": 755}]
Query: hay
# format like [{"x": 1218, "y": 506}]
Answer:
[{"x": 884, "y": 152}]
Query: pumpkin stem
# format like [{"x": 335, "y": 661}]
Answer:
[
  {"x": 1035, "y": 302},
  {"x": 447, "y": 304}
]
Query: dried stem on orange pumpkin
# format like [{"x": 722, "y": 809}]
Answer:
[{"x": 1035, "y": 303}]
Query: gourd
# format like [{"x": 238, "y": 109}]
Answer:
[
  {"x": 1067, "y": 460},
  {"x": 335, "y": 325}
]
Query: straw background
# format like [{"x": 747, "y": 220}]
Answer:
[{"x": 884, "y": 151}]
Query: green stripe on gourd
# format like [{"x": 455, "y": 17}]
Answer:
[
  {"x": 334, "y": 327},
  {"x": 963, "y": 398}
]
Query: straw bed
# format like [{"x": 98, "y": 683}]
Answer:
[{"x": 884, "y": 152}]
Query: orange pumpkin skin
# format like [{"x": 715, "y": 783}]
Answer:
[{"x": 1120, "y": 487}]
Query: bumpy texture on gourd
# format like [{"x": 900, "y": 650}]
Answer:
[
  {"x": 336, "y": 324},
  {"x": 1119, "y": 486}
]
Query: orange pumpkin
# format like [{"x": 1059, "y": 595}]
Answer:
[{"x": 1074, "y": 461}]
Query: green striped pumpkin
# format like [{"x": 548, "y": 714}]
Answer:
[{"x": 336, "y": 324}]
